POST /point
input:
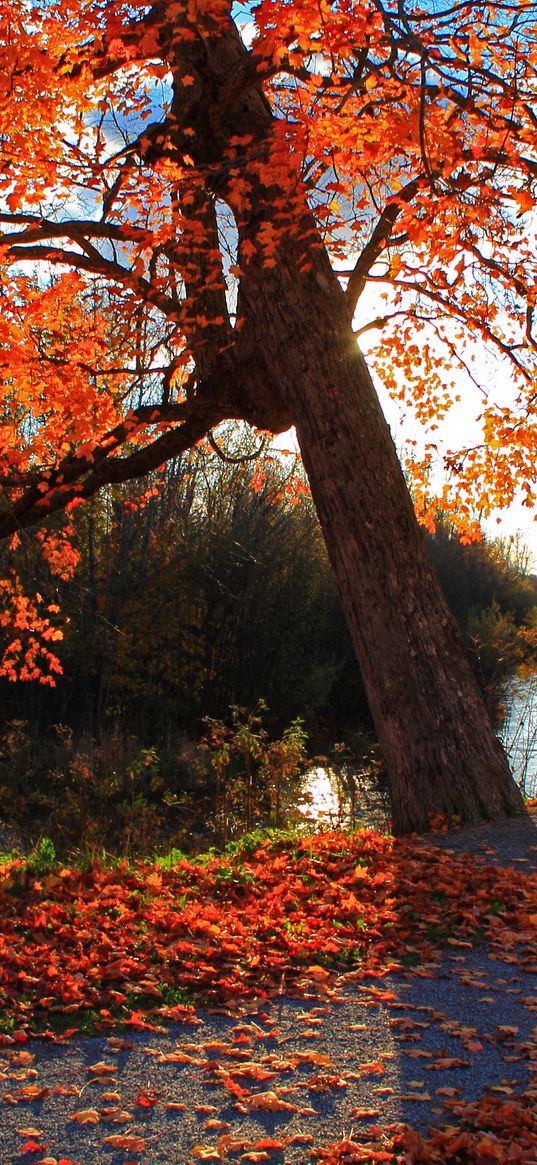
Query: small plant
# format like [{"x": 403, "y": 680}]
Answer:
[
  {"x": 42, "y": 858},
  {"x": 9, "y": 856},
  {"x": 255, "y": 779},
  {"x": 283, "y": 767},
  {"x": 7, "y": 1024},
  {"x": 171, "y": 859},
  {"x": 174, "y": 996},
  {"x": 95, "y": 798},
  {"x": 231, "y": 875}
]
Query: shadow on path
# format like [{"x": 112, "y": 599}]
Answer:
[{"x": 306, "y": 1071}]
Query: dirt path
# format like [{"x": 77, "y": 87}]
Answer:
[
  {"x": 506, "y": 843},
  {"x": 289, "y": 1072}
]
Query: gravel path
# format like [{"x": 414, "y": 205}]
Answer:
[
  {"x": 505, "y": 843},
  {"x": 308, "y": 1070}
]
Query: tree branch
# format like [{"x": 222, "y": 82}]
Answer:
[
  {"x": 69, "y": 482},
  {"x": 374, "y": 248},
  {"x": 37, "y": 229},
  {"x": 96, "y": 264}
]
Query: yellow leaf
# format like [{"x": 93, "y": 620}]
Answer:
[
  {"x": 118, "y": 1141},
  {"x": 116, "y": 1116},
  {"x": 268, "y": 1102},
  {"x": 88, "y": 1116}
]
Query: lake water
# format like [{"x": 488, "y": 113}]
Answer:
[
  {"x": 519, "y": 734},
  {"x": 336, "y": 796},
  {"x": 332, "y": 798}
]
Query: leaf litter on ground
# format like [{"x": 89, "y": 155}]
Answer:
[{"x": 313, "y": 916}]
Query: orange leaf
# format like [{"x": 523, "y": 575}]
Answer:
[
  {"x": 146, "y": 1099},
  {"x": 118, "y": 1141},
  {"x": 375, "y": 1067},
  {"x": 102, "y": 1069},
  {"x": 268, "y": 1102}
]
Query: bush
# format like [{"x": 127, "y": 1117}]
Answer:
[
  {"x": 116, "y": 796},
  {"x": 255, "y": 780},
  {"x": 89, "y": 797}
]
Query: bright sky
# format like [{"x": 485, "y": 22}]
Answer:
[
  {"x": 456, "y": 429},
  {"x": 459, "y": 428}
]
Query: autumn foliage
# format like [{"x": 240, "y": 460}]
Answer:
[
  {"x": 303, "y": 915},
  {"x": 399, "y": 140},
  {"x": 221, "y": 927}
]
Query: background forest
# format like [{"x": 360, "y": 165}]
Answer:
[{"x": 205, "y": 590}]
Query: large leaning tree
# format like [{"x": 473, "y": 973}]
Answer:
[{"x": 193, "y": 198}]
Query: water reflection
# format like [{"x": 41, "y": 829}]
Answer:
[
  {"x": 321, "y": 800},
  {"x": 334, "y": 797},
  {"x": 519, "y": 733}
]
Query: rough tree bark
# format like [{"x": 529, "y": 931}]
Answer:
[
  {"x": 441, "y": 753},
  {"x": 440, "y": 749},
  {"x": 293, "y": 358}
]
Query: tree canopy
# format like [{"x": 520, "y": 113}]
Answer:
[
  {"x": 139, "y": 142},
  {"x": 193, "y": 199}
]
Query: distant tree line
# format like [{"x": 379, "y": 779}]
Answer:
[{"x": 214, "y": 590}]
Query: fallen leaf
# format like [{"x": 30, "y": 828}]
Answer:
[
  {"x": 268, "y": 1102},
  {"x": 375, "y": 1067},
  {"x": 118, "y": 1141},
  {"x": 87, "y": 1116},
  {"x": 147, "y": 1099},
  {"x": 116, "y": 1116}
]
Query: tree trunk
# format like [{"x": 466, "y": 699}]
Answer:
[
  {"x": 441, "y": 753},
  {"x": 293, "y": 324}
]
